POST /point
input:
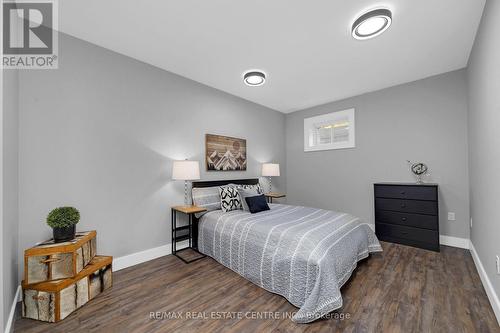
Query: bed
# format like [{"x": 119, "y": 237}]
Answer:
[{"x": 301, "y": 253}]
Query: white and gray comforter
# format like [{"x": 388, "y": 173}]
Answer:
[{"x": 304, "y": 254}]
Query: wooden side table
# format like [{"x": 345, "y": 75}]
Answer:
[
  {"x": 184, "y": 232},
  {"x": 274, "y": 195}
]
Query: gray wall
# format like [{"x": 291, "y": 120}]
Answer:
[
  {"x": 484, "y": 151},
  {"x": 10, "y": 231},
  {"x": 100, "y": 133},
  {"x": 2, "y": 268},
  {"x": 424, "y": 121}
]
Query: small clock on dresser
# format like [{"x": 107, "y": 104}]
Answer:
[{"x": 407, "y": 214}]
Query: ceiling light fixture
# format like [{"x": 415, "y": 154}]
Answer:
[
  {"x": 372, "y": 24},
  {"x": 254, "y": 78}
]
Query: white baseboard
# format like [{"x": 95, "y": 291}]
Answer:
[
  {"x": 17, "y": 298},
  {"x": 150, "y": 254},
  {"x": 490, "y": 292},
  {"x": 462, "y": 243},
  {"x": 146, "y": 255},
  {"x": 160, "y": 251},
  {"x": 118, "y": 264}
]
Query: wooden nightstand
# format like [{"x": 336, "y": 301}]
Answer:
[
  {"x": 274, "y": 195},
  {"x": 184, "y": 232}
]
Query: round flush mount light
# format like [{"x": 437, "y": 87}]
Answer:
[
  {"x": 372, "y": 24},
  {"x": 254, "y": 78}
]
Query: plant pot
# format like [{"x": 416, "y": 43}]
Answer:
[{"x": 63, "y": 234}]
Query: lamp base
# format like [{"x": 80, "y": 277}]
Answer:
[{"x": 186, "y": 203}]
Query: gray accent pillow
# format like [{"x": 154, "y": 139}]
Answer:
[
  {"x": 245, "y": 193},
  {"x": 256, "y": 187},
  {"x": 206, "y": 197}
]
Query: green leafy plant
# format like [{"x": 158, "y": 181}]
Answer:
[{"x": 63, "y": 217}]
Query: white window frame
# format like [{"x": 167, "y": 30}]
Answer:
[{"x": 310, "y": 125}]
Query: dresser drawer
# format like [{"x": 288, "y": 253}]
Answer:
[
  {"x": 408, "y": 233},
  {"x": 416, "y": 192},
  {"x": 407, "y": 206},
  {"x": 407, "y": 219}
]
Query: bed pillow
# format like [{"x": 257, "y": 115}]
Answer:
[
  {"x": 257, "y": 204},
  {"x": 229, "y": 198},
  {"x": 206, "y": 197},
  {"x": 255, "y": 187},
  {"x": 245, "y": 194}
]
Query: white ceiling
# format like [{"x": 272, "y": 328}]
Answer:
[{"x": 304, "y": 46}]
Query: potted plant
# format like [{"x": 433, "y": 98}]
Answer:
[{"x": 62, "y": 220}]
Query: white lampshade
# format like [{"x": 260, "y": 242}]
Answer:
[
  {"x": 186, "y": 170},
  {"x": 270, "y": 170}
]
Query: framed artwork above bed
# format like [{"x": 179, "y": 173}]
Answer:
[{"x": 224, "y": 153}]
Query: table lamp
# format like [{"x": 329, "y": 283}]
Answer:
[
  {"x": 186, "y": 170},
  {"x": 270, "y": 170}
]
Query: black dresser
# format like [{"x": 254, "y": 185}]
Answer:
[{"x": 407, "y": 214}]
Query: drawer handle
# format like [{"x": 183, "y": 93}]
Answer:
[
  {"x": 403, "y": 219},
  {"x": 403, "y": 206},
  {"x": 403, "y": 192},
  {"x": 46, "y": 261}
]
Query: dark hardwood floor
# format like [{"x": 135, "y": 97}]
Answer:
[{"x": 403, "y": 289}]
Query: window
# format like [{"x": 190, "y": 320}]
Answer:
[{"x": 329, "y": 131}]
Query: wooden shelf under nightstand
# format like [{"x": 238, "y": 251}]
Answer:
[
  {"x": 274, "y": 195},
  {"x": 185, "y": 232}
]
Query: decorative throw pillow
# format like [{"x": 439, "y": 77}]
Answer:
[
  {"x": 257, "y": 204},
  {"x": 206, "y": 197},
  {"x": 229, "y": 198},
  {"x": 245, "y": 194}
]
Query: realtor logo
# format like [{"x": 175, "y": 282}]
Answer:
[{"x": 30, "y": 34}]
